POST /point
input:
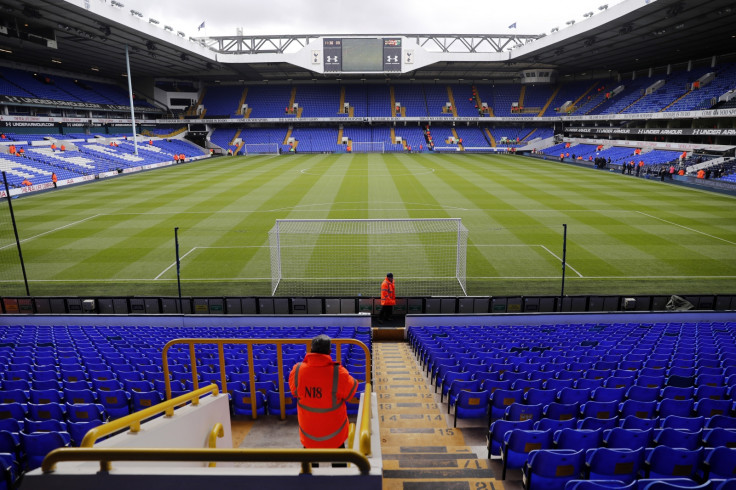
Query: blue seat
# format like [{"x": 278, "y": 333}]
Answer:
[
  {"x": 39, "y": 444},
  {"x": 619, "y": 464},
  {"x": 640, "y": 409},
  {"x": 721, "y": 463},
  {"x": 672, "y": 406},
  {"x": 46, "y": 411},
  {"x": 274, "y": 405},
  {"x": 667, "y": 462},
  {"x": 456, "y": 387},
  {"x": 536, "y": 395},
  {"x": 552, "y": 469},
  {"x": 709, "y": 408},
  {"x": 588, "y": 384},
  {"x": 500, "y": 399},
  {"x": 77, "y": 430},
  {"x": 45, "y": 396},
  {"x": 677, "y": 392},
  {"x": 520, "y": 411},
  {"x": 721, "y": 421},
  {"x": 79, "y": 396},
  {"x": 116, "y": 403},
  {"x": 496, "y": 433},
  {"x": 562, "y": 411},
  {"x": 578, "y": 439},
  {"x": 712, "y": 392},
  {"x": 518, "y": 443},
  {"x": 10, "y": 443},
  {"x": 621, "y": 438},
  {"x": 719, "y": 437},
  {"x": 673, "y": 484},
  {"x": 491, "y": 385},
  {"x": 599, "y": 410},
  {"x": 558, "y": 384},
  {"x": 596, "y": 423},
  {"x": 141, "y": 400},
  {"x": 567, "y": 396},
  {"x": 599, "y": 485},
  {"x": 678, "y": 438},
  {"x": 241, "y": 403},
  {"x": 14, "y": 396},
  {"x": 49, "y": 425},
  {"x": 555, "y": 425},
  {"x": 687, "y": 423},
  {"x": 471, "y": 404},
  {"x": 608, "y": 394},
  {"x": 85, "y": 412}
]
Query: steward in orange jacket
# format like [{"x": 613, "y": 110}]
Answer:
[
  {"x": 388, "y": 298},
  {"x": 321, "y": 387}
]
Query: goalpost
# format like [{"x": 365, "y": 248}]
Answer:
[
  {"x": 261, "y": 149},
  {"x": 367, "y": 147},
  {"x": 350, "y": 257}
]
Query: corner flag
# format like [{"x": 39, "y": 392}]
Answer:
[
  {"x": 513, "y": 26},
  {"x": 201, "y": 26}
]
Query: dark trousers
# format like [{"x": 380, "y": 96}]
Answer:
[{"x": 386, "y": 312}]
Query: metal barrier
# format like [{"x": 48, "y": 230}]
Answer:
[
  {"x": 251, "y": 373},
  {"x": 303, "y": 456}
]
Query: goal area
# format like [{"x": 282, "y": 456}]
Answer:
[
  {"x": 367, "y": 147},
  {"x": 350, "y": 257},
  {"x": 261, "y": 149}
]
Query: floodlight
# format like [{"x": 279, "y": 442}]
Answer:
[
  {"x": 570, "y": 22},
  {"x": 555, "y": 29},
  {"x": 169, "y": 28},
  {"x": 603, "y": 7},
  {"x": 117, "y": 4},
  {"x": 153, "y": 21},
  {"x": 136, "y": 13}
]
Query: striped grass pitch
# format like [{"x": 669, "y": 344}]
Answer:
[{"x": 625, "y": 235}]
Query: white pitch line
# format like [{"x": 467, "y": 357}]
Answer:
[
  {"x": 172, "y": 265},
  {"x": 686, "y": 228},
  {"x": 555, "y": 256},
  {"x": 52, "y": 231}
]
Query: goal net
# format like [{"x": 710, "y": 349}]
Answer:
[
  {"x": 367, "y": 147},
  {"x": 350, "y": 257},
  {"x": 261, "y": 149}
]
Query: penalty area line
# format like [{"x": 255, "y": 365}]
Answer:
[
  {"x": 172, "y": 265},
  {"x": 51, "y": 231}
]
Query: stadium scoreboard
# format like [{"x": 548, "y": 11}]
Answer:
[{"x": 362, "y": 54}]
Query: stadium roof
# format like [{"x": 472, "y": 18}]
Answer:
[{"x": 633, "y": 35}]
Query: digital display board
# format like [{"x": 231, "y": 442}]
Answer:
[{"x": 362, "y": 55}]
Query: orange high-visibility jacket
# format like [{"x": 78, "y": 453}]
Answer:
[
  {"x": 388, "y": 292},
  {"x": 321, "y": 387}
]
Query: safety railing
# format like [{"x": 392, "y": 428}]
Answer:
[
  {"x": 133, "y": 421},
  {"x": 217, "y": 431},
  {"x": 279, "y": 343},
  {"x": 106, "y": 456}
]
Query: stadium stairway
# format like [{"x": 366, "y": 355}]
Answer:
[{"x": 420, "y": 448}]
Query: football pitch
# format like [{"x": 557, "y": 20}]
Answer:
[{"x": 626, "y": 235}]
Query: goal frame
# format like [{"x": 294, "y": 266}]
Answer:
[
  {"x": 274, "y": 149},
  {"x": 356, "y": 146},
  {"x": 316, "y": 254}
]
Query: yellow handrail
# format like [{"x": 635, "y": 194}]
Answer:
[
  {"x": 251, "y": 372},
  {"x": 365, "y": 422},
  {"x": 106, "y": 456},
  {"x": 217, "y": 431},
  {"x": 134, "y": 419}
]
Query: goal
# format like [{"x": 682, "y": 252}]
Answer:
[
  {"x": 367, "y": 147},
  {"x": 261, "y": 149},
  {"x": 350, "y": 257}
]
